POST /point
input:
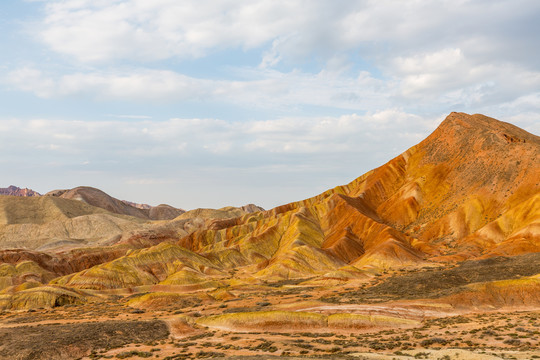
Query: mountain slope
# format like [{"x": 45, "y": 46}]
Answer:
[
  {"x": 379, "y": 267},
  {"x": 427, "y": 202}
]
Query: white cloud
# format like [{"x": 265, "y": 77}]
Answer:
[
  {"x": 451, "y": 55},
  {"x": 529, "y": 121},
  {"x": 140, "y": 84},
  {"x": 161, "y": 29},
  {"x": 136, "y": 29},
  {"x": 445, "y": 78},
  {"x": 443, "y": 60},
  {"x": 149, "y": 181},
  {"x": 327, "y": 134},
  {"x": 189, "y": 137},
  {"x": 450, "y": 76},
  {"x": 130, "y": 116},
  {"x": 31, "y": 80},
  {"x": 268, "y": 88}
]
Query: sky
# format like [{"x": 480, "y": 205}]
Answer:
[{"x": 209, "y": 103}]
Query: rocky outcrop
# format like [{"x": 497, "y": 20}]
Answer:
[
  {"x": 164, "y": 263},
  {"x": 297, "y": 320},
  {"x": 251, "y": 208}
]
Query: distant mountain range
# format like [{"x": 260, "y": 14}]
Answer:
[
  {"x": 84, "y": 215},
  {"x": 98, "y": 198},
  {"x": 17, "y": 191},
  {"x": 102, "y": 200}
]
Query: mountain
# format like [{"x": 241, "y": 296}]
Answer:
[
  {"x": 17, "y": 191},
  {"x": 32, "y": 222},
  {"x": 469, "y": 190},
  {"x": 98, "y": 198}
]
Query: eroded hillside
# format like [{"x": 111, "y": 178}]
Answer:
[{"x": 469, "y": 190}]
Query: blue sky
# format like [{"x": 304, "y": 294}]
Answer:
[{"x": 211, "y": 103}]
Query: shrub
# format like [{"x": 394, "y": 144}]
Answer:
[
  {"x": 429, "y": 342},
  {"x": 128, "y": 354}
]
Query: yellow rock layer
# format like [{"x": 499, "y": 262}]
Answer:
[{"x": 140, "y": 267}]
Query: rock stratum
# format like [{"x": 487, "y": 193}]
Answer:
[{"x": 451, "y": 225}]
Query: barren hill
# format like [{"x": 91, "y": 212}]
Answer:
[{"x": 30, "y": 222}]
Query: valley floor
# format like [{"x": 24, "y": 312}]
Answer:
[{"x": 112, "y": 329}]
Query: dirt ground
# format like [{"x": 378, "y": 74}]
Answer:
[{"x": 115, "y": 329}]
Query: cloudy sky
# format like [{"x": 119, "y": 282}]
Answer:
[{"x": 207, "y": 103}]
